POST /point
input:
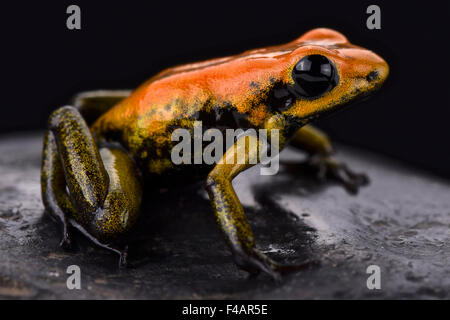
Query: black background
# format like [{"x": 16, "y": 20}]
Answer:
[{"x": 123, "y": 43}]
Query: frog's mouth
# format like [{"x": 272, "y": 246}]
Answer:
[
  {"x": 356, "y": 97},
  {"x": 296, "y": 123}
]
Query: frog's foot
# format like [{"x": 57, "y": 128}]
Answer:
[
  {"x": 329, "y": 167},
  {"x": 121, "y": 251},
  {"x": 66, "y": 241},
  {"x": 254, "y": 262}
]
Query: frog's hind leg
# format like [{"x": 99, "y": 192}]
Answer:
[
  {"x": 53, "y": 187},
  {"x": 92, "y": 104},
  {"x": 98, "y": 191}
]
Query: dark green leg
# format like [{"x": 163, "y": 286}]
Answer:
[
  {"x": 231, "y": 217},
  {"x": 103, "y": 193},
  {"x": 320, "y": 149},
  {"x": 53, "y": 185}
]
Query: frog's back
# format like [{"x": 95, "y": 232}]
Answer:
[
  {"x": 218, "y": 92},
  {"x": 184, "y": 91}
]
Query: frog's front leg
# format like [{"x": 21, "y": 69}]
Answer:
[
  {"x": 230, "y": 214},
  {"x": 98, "y": 191},
  {"x": 320, "y": 150}
]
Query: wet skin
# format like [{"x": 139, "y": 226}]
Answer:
[{"x": 99, "y": 153}]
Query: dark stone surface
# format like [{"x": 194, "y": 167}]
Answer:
[{"x": 400, "y": 223}]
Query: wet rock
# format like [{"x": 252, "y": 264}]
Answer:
[{"x": 399, "y": 223}]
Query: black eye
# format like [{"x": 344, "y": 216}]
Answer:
[{"x": 314, "y": 75}]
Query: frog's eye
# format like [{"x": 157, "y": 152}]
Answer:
[{"x": 314, "y": 75}]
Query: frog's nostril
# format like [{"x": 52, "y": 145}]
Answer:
[{"x": 372, "y": 76}]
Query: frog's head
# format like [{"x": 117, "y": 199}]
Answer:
[{"x": 324, "y": 71}]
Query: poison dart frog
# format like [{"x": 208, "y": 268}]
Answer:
[{"x": 101, "y": 150}]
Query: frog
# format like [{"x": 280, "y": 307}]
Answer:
[{"x": 102, "y": 149}]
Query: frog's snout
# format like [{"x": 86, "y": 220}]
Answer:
[
  {"x": 379, "y": 74},
  {"x": 367, "y": 68}
]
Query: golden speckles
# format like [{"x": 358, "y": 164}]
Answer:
[
  {"x": 122, "y": 204},
  {"x": 287, "y": 75},
  {"x": 258, "y": 115},
  {"x": 159, "y": 165}
]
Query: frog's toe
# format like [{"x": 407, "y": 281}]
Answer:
[
  {"x": 361, "y": 179},
  {"x": 255, "y": 262},
  {"x": 66, "y": 242},
  {"x": 328, "y": 167},
  {"x": 123, "y": 255},
  {"x": 351, "y": 180}
]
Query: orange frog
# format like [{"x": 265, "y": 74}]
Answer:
[{"x": 99, "y": 152}]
